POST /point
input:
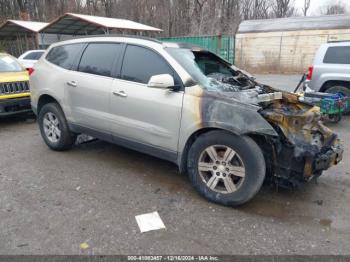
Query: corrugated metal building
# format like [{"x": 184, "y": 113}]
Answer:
[{"x": 286, "y": 45}]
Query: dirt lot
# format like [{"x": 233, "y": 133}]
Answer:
[{"x": 52, "y": 202}]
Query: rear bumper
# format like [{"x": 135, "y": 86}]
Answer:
[
  {"x": 15, "y": 106},
  {"x": 310, "y": 84}
]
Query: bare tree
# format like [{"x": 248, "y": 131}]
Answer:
[
  {"x": 23, "y": 9},
  {"x": 256, "y": 9},
  {"x": 306, "y": 7},
  {"x": 175, "y": 17},
  {"x": 283, "y": 8},
  {"x": 334, "y": 9}
]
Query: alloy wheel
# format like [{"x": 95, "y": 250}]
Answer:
[
  {"x": 221, "y": 169},
  {"x": 51, "y": 126}
]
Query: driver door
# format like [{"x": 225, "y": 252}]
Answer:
[{"x": 141, "y": 114}]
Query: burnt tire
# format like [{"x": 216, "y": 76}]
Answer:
[
  {"x": 246, "y": 151},
  {"x": 54, "y": 128}
]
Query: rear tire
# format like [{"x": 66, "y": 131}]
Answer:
[
  {"x": 54, "y": 128},
  {"x": 339, "y": 89},
  {"x": 233, "y": 175}
]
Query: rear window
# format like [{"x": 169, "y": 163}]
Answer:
[
  {"x": 9, "y": 64},
  {"x": 65, "y": 55},
  {"x": 98, "y": 58},
  {"x": 337, "y": 55},
  {"x": 33, "y": 55}
]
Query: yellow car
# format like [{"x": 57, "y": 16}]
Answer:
[{"x": 14, "y": 87}]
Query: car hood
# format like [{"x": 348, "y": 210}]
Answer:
[{"x": 6, "y": 77}]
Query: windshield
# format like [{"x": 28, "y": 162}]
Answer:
[
  {"x": 205, "y": 68},
  {"x": 9, "y": 64}
]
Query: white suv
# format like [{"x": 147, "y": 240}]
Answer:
[
  {"x": 29, "y": 58},
  {"x": 330, "y": 71},
  {"x": 183, "y": 104}
]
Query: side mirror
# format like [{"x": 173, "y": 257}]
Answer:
[{"x": 161, "y": 81}]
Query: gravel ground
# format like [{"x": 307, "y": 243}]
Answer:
[{"x": 52, "y": 202}]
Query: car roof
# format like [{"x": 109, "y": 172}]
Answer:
[
  {"x": 338, "y": 43},
  {"x": 36, "y": 50},
  {"x": 147, "y": 41},
  {"x": 8, "y": 55}
]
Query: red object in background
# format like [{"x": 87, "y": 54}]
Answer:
[
  {"x": 30, "y": 71},
  {"x": 309, "y": 73}
]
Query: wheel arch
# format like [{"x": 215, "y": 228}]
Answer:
[
  {"x": 329, "y": 83},
  {"x": 45, "y": 99},
  {"x": 260, "y": 139}
]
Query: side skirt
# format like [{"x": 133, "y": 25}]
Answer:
[{"x": 143, "y": 148}]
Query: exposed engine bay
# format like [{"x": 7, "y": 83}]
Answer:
[
  {"x": 305, "y": 146},
  {"x": 245, "y": 89}
]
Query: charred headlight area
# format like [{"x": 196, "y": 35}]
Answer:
[{"x": 304, "y": 147}]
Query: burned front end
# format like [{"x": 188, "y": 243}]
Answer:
[
  {"x": 303, "y": 148},
  {"x": 296, "y": 145}
]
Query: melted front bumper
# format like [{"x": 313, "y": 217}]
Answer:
[
  {"x": 288, "y": 169},
  {"x": 329, "y": 158}
]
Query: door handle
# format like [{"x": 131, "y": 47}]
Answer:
[
  {"x": 72, "y": 83},
  {"x": 120, "y": 93}
]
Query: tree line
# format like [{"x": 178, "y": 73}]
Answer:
[{"x": 175, "y": 17}]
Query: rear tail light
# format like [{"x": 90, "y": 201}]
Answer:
[
  {"x": 30, "y": 70},
  {"x": 309, "y": 73}
]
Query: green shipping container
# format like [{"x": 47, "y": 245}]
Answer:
[{"x": 224, "y": 45}]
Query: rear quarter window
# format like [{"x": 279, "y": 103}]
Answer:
[
  {"x": 337, "y": 55},
  {"x": 65, "y": 55}
]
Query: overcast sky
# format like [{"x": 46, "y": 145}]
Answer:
[{"x": 317, "y": 4}]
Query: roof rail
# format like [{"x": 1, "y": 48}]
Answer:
[
  {"x": 338, "y": 41},
  {"x": 120, "y": 35}
]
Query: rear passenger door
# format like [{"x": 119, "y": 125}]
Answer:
[
  {"x": 89, "y": 85},
  {"x": 147, "y": 116}
]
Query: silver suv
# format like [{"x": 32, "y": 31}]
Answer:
[
  {"x": 330, "y": 71},
  {"x": 183, "y": 104}
]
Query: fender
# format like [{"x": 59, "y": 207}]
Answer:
[
  {"x": 231, "y": 115},
  {"x": 204, "y": 110}
]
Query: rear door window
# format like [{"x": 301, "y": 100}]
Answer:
[
  {"x": 140, "y": 64},
  {"x": 98, "y": 58},
  {"x": 65, "y": 55},
  {"x": 337, "y": 55}
]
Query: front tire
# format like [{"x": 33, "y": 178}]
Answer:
[
  {"x": 225, "y": 168},
  {"x": 54, "y": 128}
]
